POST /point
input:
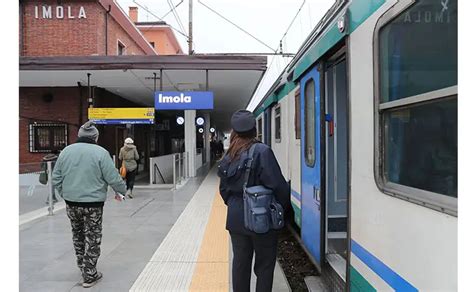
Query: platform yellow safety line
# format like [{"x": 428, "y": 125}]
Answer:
[{"x": 211, "y": 272}]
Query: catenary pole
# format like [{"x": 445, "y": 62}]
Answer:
[{"x": 190, "y": 39}]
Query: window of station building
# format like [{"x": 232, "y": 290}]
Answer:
[
  {"x": 47, "y": 137},
  {"x": 260, "y": 129},
  {"x": 278, "y": 124},
  {"x": 309, "y": 123},
  {"x": 152, "y": 44},
  {"x": 417, "y": 104},
  {"x": 297, "y": 115},
  {"x": 120, "y": 48}
]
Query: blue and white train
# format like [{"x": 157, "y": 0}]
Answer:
[{"x": 364, "y": 124}]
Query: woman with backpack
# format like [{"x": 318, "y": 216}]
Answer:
[
  {"x": 129, "y": 157},
  {"x": 251, "y": 235}
]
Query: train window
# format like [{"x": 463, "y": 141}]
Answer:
[
  {"x": 423, "y": 60},
  {"x": 309, "y": 123},
  {"x": 278, "y": 124},
  {"x": 417, "y": 102},
  {"x": 260, "y": 129},
  {"x": 297, "y": 115},
  {"x": 421, "y": 148}
]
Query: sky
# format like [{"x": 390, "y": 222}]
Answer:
[{"x": 266, "y": 20}]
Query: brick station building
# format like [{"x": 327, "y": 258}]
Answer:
[{"x": 50, "y": 116}]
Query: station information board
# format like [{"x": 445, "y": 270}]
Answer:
[{"x": 120, "y": 116}]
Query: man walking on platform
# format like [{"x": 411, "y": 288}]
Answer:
[{"x": 81, "y": 175}]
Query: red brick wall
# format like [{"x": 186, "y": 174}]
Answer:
[
  {"x": 72, "y": 37},
  {"x": 63, "y": 108},
  {"x": 57, "y": 37},
  {"x": 116, "y": 33}
]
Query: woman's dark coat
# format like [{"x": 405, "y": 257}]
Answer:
[{"x": 265, "y": 171}]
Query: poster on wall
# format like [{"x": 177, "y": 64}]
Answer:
[{"x": 121, "y": 116}]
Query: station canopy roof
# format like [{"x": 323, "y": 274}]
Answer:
[{"x": 232, "y": 78}]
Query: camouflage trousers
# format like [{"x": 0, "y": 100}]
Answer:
[{"x": 86, "y": 225}]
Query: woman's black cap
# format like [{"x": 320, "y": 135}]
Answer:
[{"x": 242, "y": 121}]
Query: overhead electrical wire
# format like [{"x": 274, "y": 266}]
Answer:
[
  {"x": 301, "y": 31},
  {"x": 166, "y": 14},
  {"x": 173, "y": 8},
  {"x": 293, "y": 20},
  {"x": 176, "y": 15},
  {"x": 281, "y": 49},
  {"x": 265, "y": 75},
  {"x": 240, "y": 28},
  {"x": 172, "y": 27}
]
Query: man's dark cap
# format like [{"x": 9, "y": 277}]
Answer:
[{"x": 242, "y": 121}]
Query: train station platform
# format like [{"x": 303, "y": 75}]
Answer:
[{"x": 161, "y": 240}]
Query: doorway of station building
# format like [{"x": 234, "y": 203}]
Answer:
[
  {"x": 159, "y": 142},
  {"x": 163, "y": 138},
  {"x": 156, "y": 143}
]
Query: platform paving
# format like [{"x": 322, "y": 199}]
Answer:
[{"x": 132, "y": 233}]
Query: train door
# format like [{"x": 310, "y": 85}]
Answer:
[
  {"x": 336, "y": 162},
  {"x": 311, "y": 163}
]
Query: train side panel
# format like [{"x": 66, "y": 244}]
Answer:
[
  {"x": 393, "y": 242},
  {"x": 280, "y": 146},
  {"x": 287, "y": 149}
]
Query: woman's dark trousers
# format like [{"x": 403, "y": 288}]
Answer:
[
  {"x": 265, "y": 248},
  {"x": 130, "y": 179}
]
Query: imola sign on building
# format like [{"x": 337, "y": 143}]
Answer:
[
  {"x": 184, "y": 100},
  {"x": 59, "y": 12}
]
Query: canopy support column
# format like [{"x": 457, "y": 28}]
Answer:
[{"x": 190, "y": 140}]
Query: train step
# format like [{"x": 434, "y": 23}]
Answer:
[
  {"x": 337, "y": 235},
  {"x": 315, "y": 284},
  {"x": 338, "y": 263}
]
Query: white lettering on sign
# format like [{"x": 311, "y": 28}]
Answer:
[
  {"x": 69, "y": 13},
  {"x": 82, "y": 13},
  {"x": 59, "y": 12},
  {"x": 174, "y": 99},
  {"x": 47, "y": 12}
]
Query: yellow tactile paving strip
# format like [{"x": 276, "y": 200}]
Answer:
[{"x": 212, "y": 268}]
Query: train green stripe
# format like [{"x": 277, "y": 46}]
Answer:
[
  {"x": 358, "y": 12},
  {"x": 358, "y": 282},
  {"x": 327, "y": 41},
  {"x": 297, "y": 217},
  {"x": 258, "y": 111}
]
